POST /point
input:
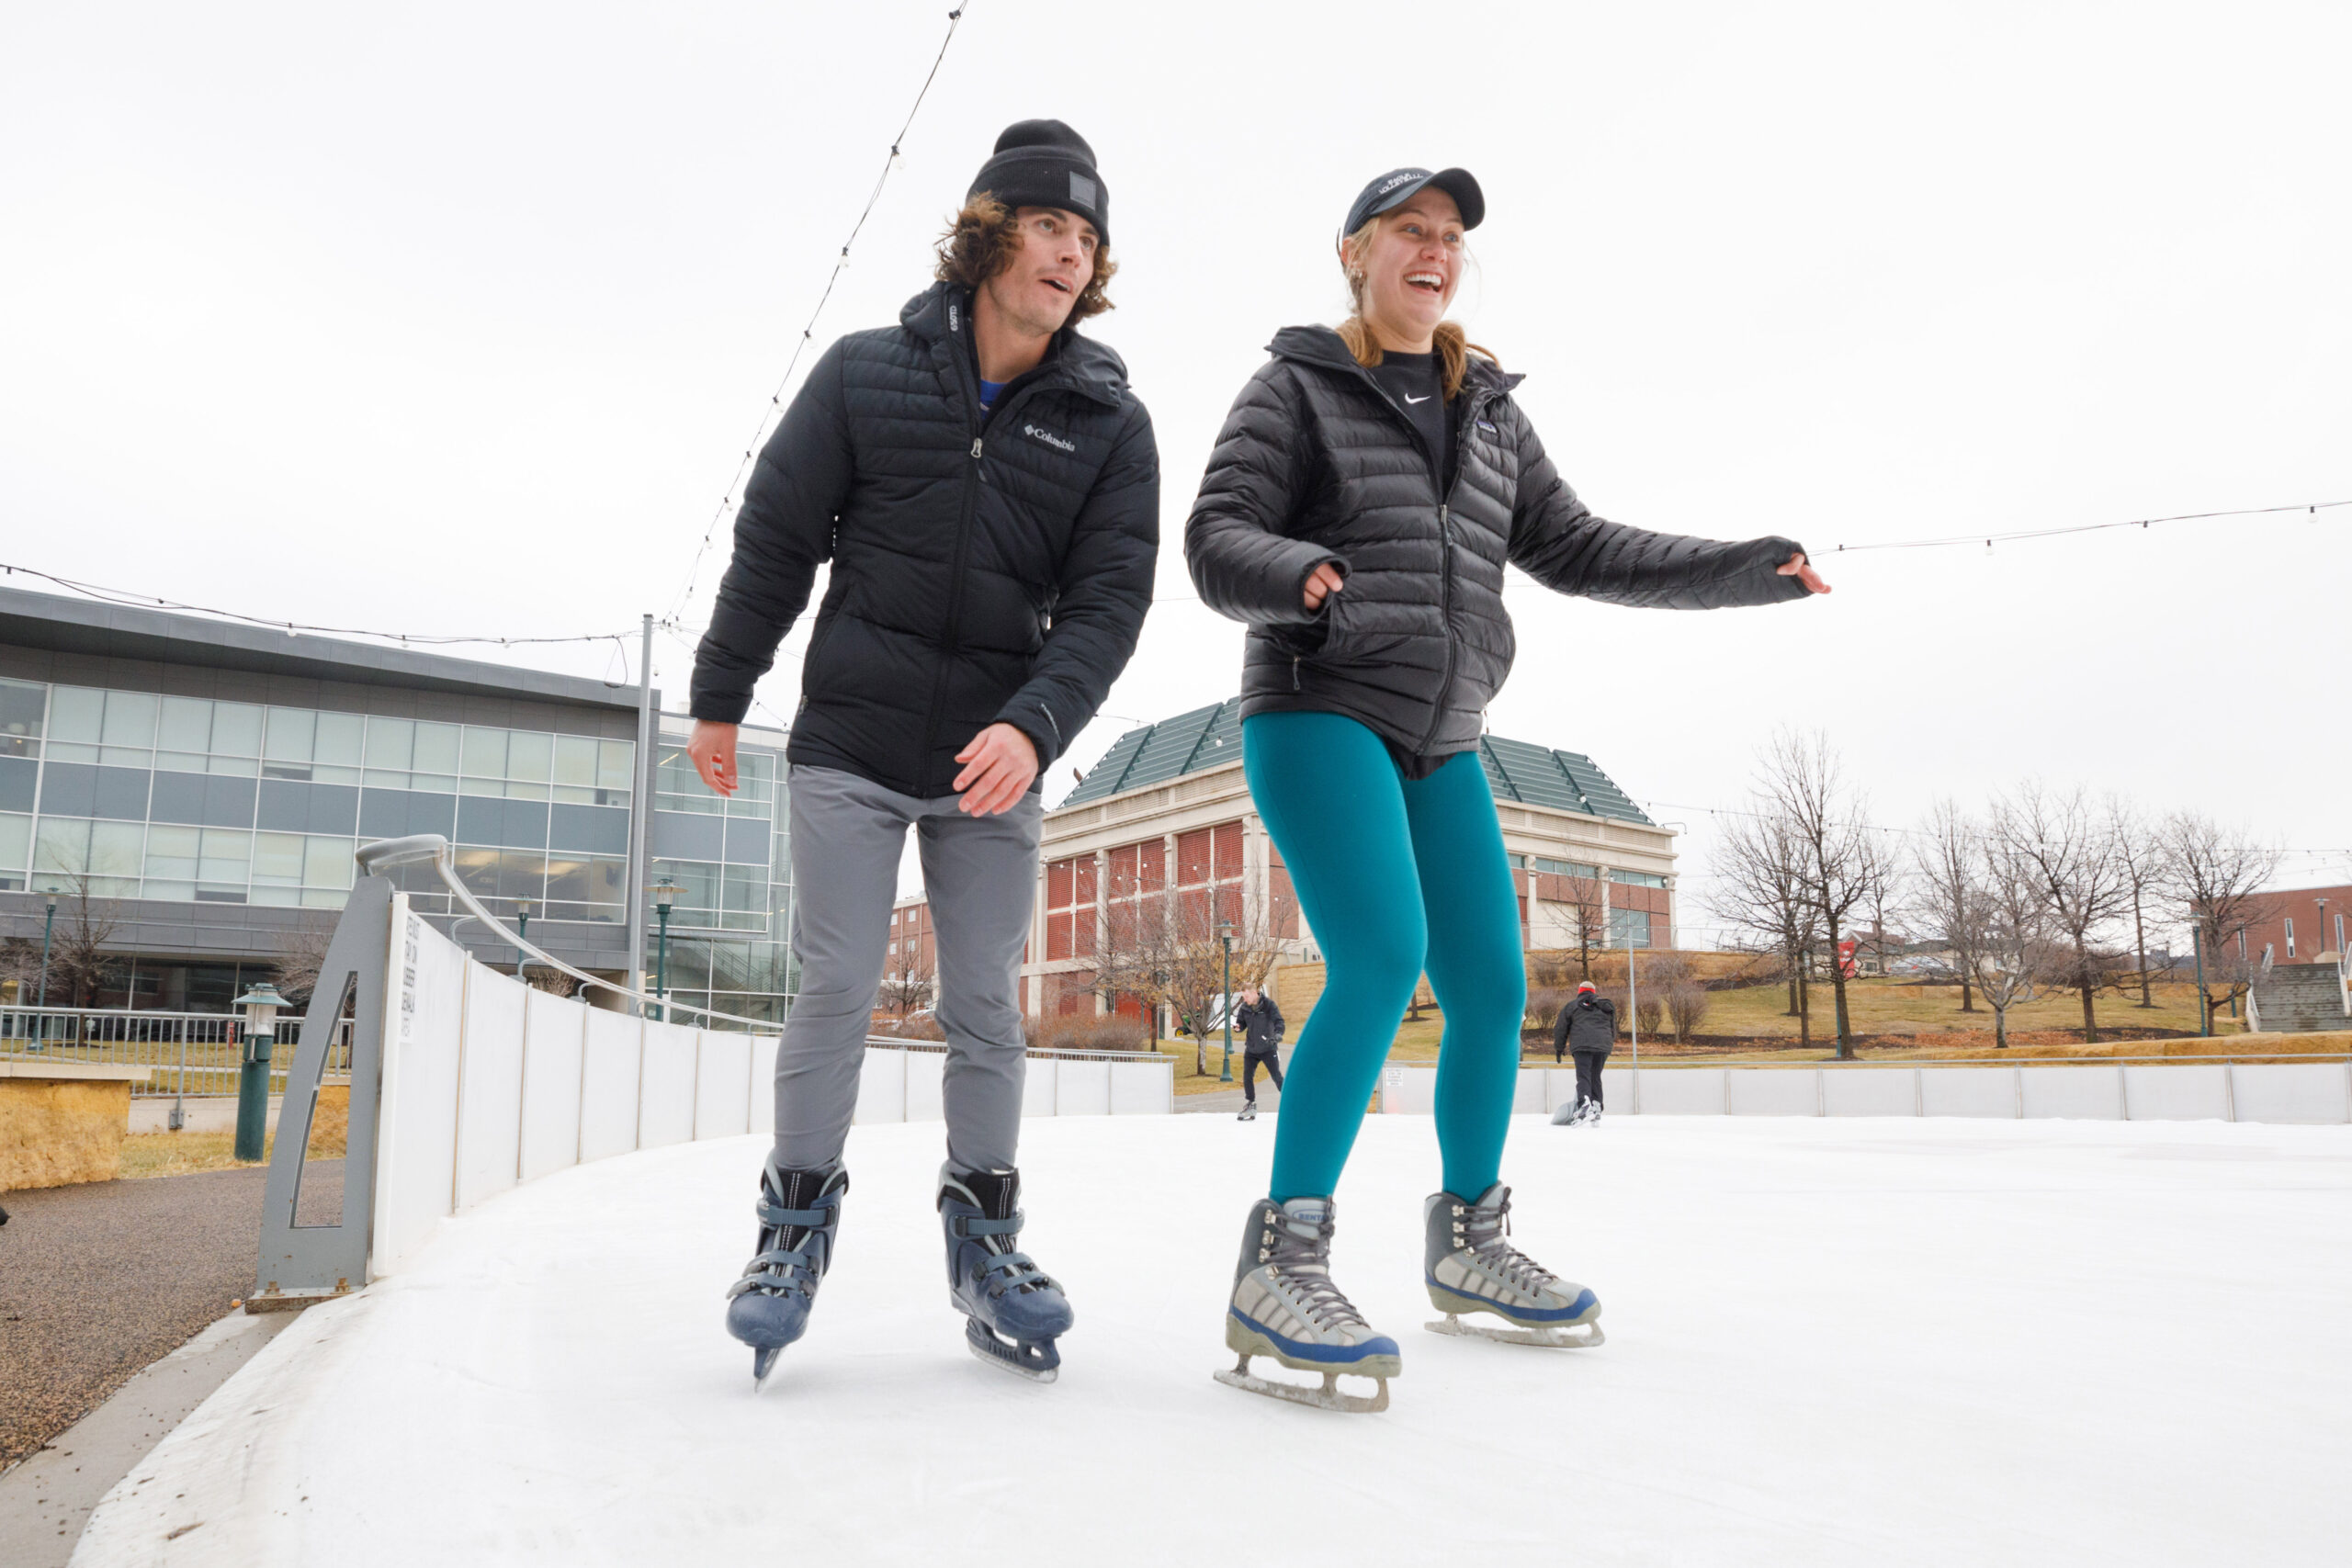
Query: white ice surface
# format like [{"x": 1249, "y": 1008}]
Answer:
[{"x": 1829, "y": 1342}]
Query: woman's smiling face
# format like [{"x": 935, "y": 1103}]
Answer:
[{"x": 1410, "y": 269}]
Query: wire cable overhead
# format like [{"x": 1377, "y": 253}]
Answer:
[{"x": 808, "y": 333}]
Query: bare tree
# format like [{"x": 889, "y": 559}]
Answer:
[
  {"x": 2140, "y": 855},
  {"x": 554, "y": 982},
  {"x": 301, "y": 954},
  {"x": 1587, "y": 916},
  {"x": 2071, "y": 848},
  {"x": 1167, "y": 950},
  {"x": 1837, "y": 859},
  {"x": 1945, "y": 886},
  {"x": 1759, "y": 890},
  {"x": 77, "y": 957},
  {"x": 2214, "y": 876},
  {"x": 2013, "y": 955},
  {"x": 908, "y": 984},
  {"x": 1888, "y": 890}
]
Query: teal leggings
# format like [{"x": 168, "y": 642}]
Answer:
[{"x": 1396, "y": 877}]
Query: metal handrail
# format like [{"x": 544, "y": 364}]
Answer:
[{"x": 435, "y": 848}]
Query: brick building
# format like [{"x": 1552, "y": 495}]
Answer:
[
  {"x": 2305, "y": 923},
  {"x": 1166, "y": 814}
]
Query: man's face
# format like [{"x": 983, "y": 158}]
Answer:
[
  {"x": 1249, "y": 996},
  {"x": 1041, "y": 283}
]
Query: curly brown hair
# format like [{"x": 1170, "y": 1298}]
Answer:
[{"x": 980, "y": 242}]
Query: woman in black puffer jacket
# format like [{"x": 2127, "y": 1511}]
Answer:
[{"x": 1367, "y": 489}]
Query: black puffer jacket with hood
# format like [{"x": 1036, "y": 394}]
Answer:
[
  {"x": 1317, "y": 463},
  {"x": 981, "y": 572}
]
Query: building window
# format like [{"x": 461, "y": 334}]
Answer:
[
  {"x": 1637, "y": 879},
  {"x": 1069, "y": 908},
  {"x": 2290, "y": 936},
  {"x": 1629, "y": 927}
]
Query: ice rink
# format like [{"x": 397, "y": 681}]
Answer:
[{"x": 1829, "y": 1342}]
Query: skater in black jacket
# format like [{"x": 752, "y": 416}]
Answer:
[
  {"x": 983, "y": 484},
  {"x": 1587, "y": 1028},
  {"x": 1261, "y": 1021}
]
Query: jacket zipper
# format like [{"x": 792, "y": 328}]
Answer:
[
  {"x": 956, "y": 584},
  {"x": 1018, "y": 390},
  {"x": 1469, "y": 411}
]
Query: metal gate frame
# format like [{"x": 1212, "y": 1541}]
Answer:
[{"x": 302, "y": 1264}]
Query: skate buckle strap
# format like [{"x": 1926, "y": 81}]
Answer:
[
  {"x": 811, "y": 1219},
  {"x": 1016, "y": 1270},
  {"x": 963, "y": 1228},
  {"x": 776, "y": 1272}
]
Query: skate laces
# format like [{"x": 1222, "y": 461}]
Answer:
[
  {"x": 1483, "y": 1230},
  {"x": 1305, "y": 1262}
]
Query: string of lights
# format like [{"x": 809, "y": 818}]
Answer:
[
  {"x": 1988, "y": 540},
  {"x": 808, "y": 333},
  {"x": 134, "y": 600}
]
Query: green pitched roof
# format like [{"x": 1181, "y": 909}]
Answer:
[{"x": 1211, "y": 737}]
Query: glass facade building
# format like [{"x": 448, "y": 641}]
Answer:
[{"x": 208, "y": 785}]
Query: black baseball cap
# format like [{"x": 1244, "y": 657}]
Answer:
[{"x": 1397, "y": 186}]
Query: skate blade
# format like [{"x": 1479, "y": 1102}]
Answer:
[
  {"x": 1577, "y": 1337},
  {"x": 763, "y": 1365},
  {"x": 1328, "y": 1397},
  {"x": 1039, "y": 1363}
]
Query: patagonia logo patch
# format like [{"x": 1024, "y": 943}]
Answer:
[
  {"x": 1488, "y": 426},
  {"x": 1081, "y": 192},
  {"x": 1049, "y": 438}
]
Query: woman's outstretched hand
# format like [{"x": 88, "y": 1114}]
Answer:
[
  {"x": 1797, "y": 567},
  {"x": 1326, "y": 581}
]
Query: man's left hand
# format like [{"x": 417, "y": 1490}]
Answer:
[
  {"x": 999, "y": 765},
  {"x": 1797, "y": 567}
]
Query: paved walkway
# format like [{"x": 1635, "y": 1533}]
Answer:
[{"x": 100, "y": 1280}]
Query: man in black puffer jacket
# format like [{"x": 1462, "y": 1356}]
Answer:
[{"x": 985, "y": 487}]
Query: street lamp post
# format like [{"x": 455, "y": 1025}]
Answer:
[
  {"x": 1225, "y": 935},
  {"x": 261, "y": 1005},
  {"x": 40, "y": 1004},
  {"x": 665, "y": 893}
]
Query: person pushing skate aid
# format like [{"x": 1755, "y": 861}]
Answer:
[
  {"x": 1357, "y": 511},
  {"x": 959, "y": 469}
]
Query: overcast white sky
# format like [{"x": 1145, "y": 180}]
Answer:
[{"x": 455, "y": 318}]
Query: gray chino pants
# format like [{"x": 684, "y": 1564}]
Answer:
[{"x": 981, "y": 875}]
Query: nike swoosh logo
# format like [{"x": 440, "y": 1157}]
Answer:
[{"x": 1410, "y": 399}]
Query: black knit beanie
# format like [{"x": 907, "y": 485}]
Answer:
[{"x": 1043, "y": 162}]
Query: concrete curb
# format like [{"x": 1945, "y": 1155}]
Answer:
[{"x": 46, "y": 1501}]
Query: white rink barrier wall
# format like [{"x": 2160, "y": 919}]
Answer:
[
  {"x": 2305, "y": 1092},
  {"x": 489, "y": 1083}
]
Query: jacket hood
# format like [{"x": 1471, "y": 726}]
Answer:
[
  {"x": 943, "y": 312},
  {"x": 1322, "y": 346}
]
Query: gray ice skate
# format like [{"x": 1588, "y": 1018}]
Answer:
[
  {"x": 799, "y": 1212},
  {"x": 1284, "y": 1305},
  {"x": 1472, "y": 1269}
]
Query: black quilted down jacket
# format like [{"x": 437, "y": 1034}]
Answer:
[
  {"x": 981, "y": 572},
  {"x": 1317, "y": 463}
]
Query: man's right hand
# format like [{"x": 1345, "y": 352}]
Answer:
[{"x": 712, "y": 746}]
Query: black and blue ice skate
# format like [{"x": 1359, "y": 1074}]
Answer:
[
  {"x": 768, "y": 1307},
  {"x": 1016, "y": 1311}
]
